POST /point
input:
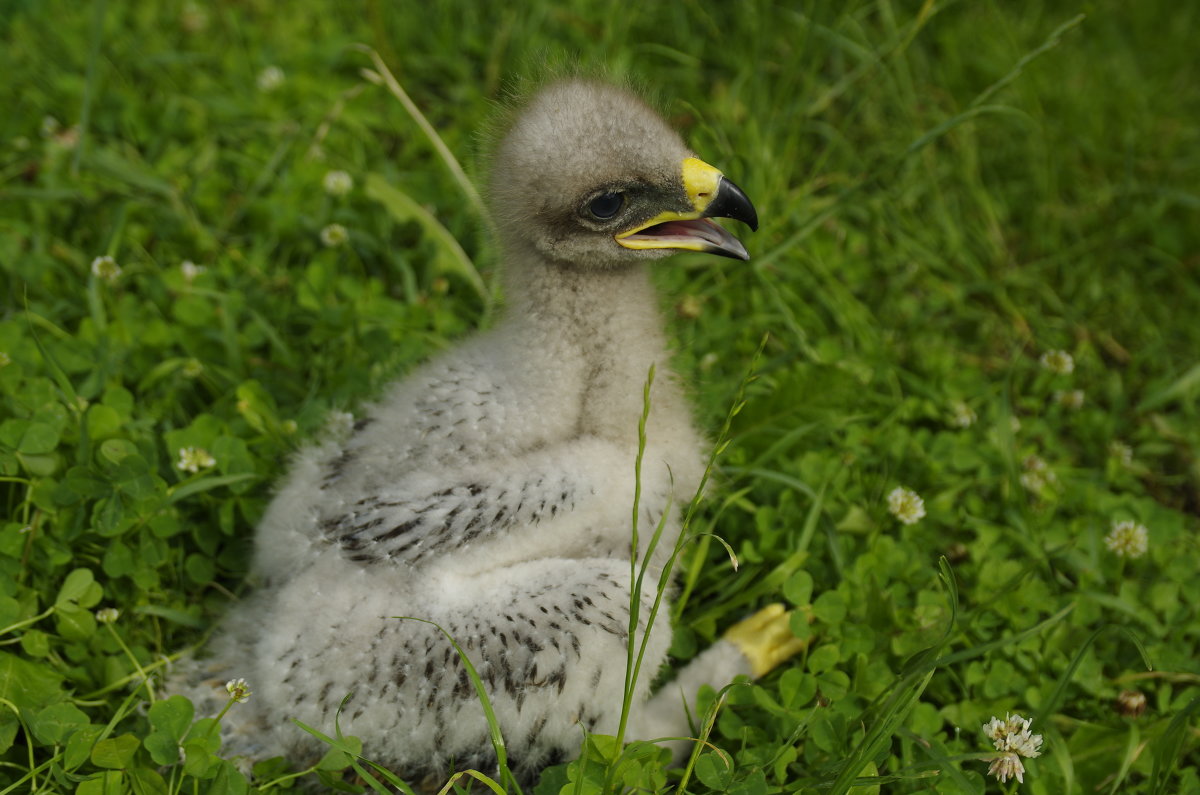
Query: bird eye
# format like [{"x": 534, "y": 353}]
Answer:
[{"x": 606, "y": 205}]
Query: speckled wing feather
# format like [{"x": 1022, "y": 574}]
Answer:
[{"x": 409, "y": 528}]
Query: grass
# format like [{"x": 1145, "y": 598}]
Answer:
[{"x": 947, "y": 192}]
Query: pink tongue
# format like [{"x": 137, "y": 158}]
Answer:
[
  {"x": 670, "y": 228},
  {"x": 700, "y": 228}
]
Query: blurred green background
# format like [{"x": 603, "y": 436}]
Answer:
[{"x": 948, "y": 191}]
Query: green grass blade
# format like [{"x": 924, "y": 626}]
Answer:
[
  {"x": 402, "y": 208},
  {"x": 497, "y": 737},
  {"x": 460, "y": 176},
  {"x": 356, "y": 759},
  {"x": 1185, "y": 386},
  {"x": 1056, "y": 696},
  {"x": 185, "y": 490},
  {"x": 1166, "y": 750}
]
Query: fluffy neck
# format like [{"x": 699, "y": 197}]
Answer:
[{"x": 605, "y": 321}]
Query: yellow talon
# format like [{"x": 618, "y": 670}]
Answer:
[{"x": 766, "y": 638}]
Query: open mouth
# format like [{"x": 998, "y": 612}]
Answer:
[{"x": 699, "y": 234}]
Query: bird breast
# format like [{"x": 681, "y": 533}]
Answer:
[{"x": 483, "y": 458}]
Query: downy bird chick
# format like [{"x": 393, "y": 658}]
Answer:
[{"x": 490, "y": 490}]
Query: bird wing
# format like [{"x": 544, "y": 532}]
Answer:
[
  {"x": 410, "y": 527},
  {"x": 567, "y": 500}
]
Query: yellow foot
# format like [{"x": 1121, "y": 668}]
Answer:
[{"x": 766, "y": 638}]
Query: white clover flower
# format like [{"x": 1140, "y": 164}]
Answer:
[
  {"x": 1013, "y": 734},
  {"x": 1131, "y": 703},
  {"x": 190, "y": 270},
  {"x": 193, "y": 459},
  {"x": 1122, "y": 452},
  {"x": 1014, "y": 423},
  {"x": 1128, "y": 539},
  {"x": 334, "y": 235},
  {"x": 1026, "y": 744},
  {"x": 193, "y": 19},
  {"x": 106, "y": 268},
  {"x": 1058, "y": 362},
  {"x": 1069, "y": 398},
  {"x": 5, "y": 359},
  {"x": 962, "y": 415},
  {"x": 270, "y": 78},
  {"x": 1037, "y": 475},
  {"x": 1033, "y": 463},
  {"x": 337, "y": 183},
  {"x": 709, "y": 360},
  {"x": 238, "y": 690},
  {"x": 906, "y": 505},
  {"x": 690, "y": 307},
  {"x": 1013, "y": 739},
  {"x": 50, "y": 126},
  {"x": 69, "y": 138},
  {"x": 107, "y": 615},
  {"x": 1007, "y": 766}
]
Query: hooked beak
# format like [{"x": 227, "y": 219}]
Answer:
[{"x": 711, "y": 195}]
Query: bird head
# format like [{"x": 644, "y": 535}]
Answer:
[{"x": 589, "y": 176}]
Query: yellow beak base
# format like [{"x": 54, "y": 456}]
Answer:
[{"x": 710, "y": 194}]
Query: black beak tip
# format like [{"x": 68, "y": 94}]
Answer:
[
  {"x": 732, "y": 202},
  {"x": 744, "y": 256}
]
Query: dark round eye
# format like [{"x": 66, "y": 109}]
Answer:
[{"x": 606, "y": 205}]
